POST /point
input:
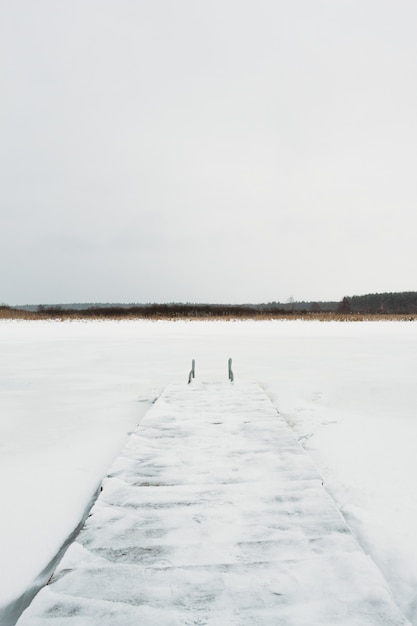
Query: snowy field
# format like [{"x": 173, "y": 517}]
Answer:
[{"x": 72, "y": 391}]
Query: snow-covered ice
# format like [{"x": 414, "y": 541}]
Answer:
[
  {"x": 72, "y": 391},
  {"x": 213, "y": 514}
]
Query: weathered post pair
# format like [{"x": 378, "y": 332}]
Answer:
[{"x": 191, "y": 375}]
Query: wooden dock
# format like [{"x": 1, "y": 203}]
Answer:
[{"x": 214, "y": 515}]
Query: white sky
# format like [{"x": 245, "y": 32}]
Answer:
[{"x": 216, "y": 151}]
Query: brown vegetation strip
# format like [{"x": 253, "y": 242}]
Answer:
[{"x": 166, "y": 312}]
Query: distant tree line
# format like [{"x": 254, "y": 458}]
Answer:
[
  {"x": 381, "y": 303},
  {"x": 169, "y": 310},
  {"x": 404, "y": 303}
]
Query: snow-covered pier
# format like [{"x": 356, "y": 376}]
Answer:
[{"x": 213, "y": 514}]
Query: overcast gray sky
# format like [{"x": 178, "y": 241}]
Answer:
[{"x": 207, "y": 151}]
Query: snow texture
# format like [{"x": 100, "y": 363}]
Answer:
[
  {"x": 213, "y": 514},
  {"x": 70, "y": 393}
]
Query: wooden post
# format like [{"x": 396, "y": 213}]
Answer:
[{"x": 192, "y": 372}]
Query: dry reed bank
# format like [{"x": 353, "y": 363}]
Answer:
[{"x": 166, "y": 312}]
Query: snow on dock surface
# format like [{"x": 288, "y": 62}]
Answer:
[{"x": 213, "y": 514}]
